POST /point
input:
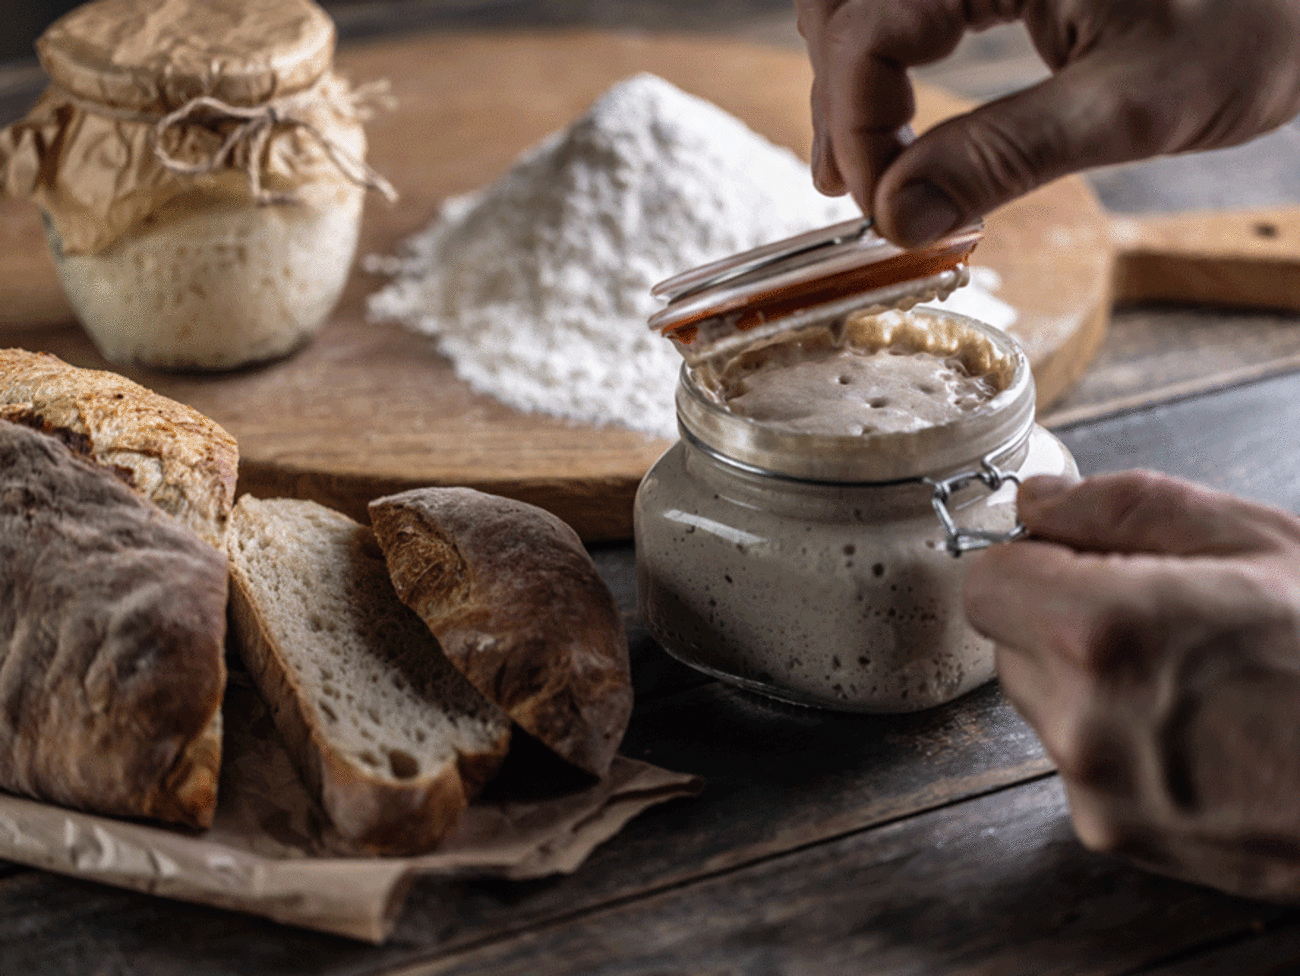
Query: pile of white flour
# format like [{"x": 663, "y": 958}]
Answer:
[{"x": 537, "y": 287}]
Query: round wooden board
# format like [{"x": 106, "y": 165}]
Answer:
[{"x": 368, "y": 410}]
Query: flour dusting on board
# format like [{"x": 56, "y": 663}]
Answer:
[{"x": 537, "y": 287}]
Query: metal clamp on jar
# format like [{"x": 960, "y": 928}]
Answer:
[{"x": 813, "y": 554}]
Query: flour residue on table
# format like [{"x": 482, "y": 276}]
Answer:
[{"x": 537, "y": 287}]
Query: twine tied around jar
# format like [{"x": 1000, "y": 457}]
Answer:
[{"x": 254, "y": 128}]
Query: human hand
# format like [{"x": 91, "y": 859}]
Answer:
[
  {"x": 1131, "y": 79},
  {"x": 1149, "y": 631}
]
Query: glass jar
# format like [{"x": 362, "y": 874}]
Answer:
[
  {"x": 200, "y": 169},
  {"x": 214, "y": 282},
  {"x": 826, "y": 570}
]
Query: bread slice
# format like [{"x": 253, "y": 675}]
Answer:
[
  {"x": 518, "y": 606},
  {"x": 112, "y": 632},
  {"x": 170, "y": 454},
  {"x": 390, "y": 737}
]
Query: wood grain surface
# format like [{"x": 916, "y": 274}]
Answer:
[
  {"x": 1240, "y": 440},
  {"x": 1232, "y": 259},
  {"x": 814, "y": 781},
  {"x": 997, "y": 885},
  {"x": 370, "y": 409},
  {"x": 929, "y": 843}
]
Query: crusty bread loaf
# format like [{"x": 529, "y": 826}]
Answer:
[
  {"x": 112, "y": 628},
  {"x": 518, "y": 606},
  {"x": 390, "y": 737},
  {"x": 172, "y": 455}
]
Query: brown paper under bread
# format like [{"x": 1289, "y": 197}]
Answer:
[
  {"x": 171, "y": 454},
  {"x": 519, "y": 608},
  {"x": 111, "y": 641}
]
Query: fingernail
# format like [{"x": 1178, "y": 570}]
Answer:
[
  {"x": 1042, "y": 489},
  {"x": 818, "y": 165},
  {"x": 923, "y": 213},
  {"x": 826, "y": 175}
]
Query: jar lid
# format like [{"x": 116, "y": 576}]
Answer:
[
  {"x": 846, "y": 267},
  {"x": 156, "y": 55}
]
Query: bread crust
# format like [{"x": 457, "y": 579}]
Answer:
[
  {"x": 518, "y": 606},
  {"x": 374, "y": 814},
  {"x": 112, "y": 634},
  {"x": 174, "y": 456}
]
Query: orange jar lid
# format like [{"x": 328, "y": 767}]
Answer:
[{"x": 826, "y": 273}]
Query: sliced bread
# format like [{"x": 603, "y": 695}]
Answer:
[
  {"x": 517, "y": 604},
  {"x": 389, "y": 736},
  {"x": 112, "y": 632},
  {"x": 174, "y": 456}
]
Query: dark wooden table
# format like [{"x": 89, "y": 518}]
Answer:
[{"x": 823, "y": 844}]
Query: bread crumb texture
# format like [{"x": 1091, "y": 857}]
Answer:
[{"x": 377, "y": 717}]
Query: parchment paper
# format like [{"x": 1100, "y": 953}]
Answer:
[
  {"x": 272, "y": 852},
  {"x": 97, "y": 178}
]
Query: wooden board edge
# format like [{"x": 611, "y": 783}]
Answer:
[{"x": 598, "y": 509}]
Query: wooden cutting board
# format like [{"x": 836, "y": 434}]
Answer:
[{"x": 369, "y": 410}]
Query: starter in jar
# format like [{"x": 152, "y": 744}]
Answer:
[
  {"x": 789, "y": 544},
  {"x": 882, "y": 375},
  {"x": 848, "y": 392}
]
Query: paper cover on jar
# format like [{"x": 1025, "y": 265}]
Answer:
[{"x": 150, "y": 97}]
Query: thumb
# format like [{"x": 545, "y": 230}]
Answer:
[
  {"x": 1091, "y": 113},
  {"x": 1143, "y": 512}
]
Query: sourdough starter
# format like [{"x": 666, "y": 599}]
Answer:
[
  {"x": 845, "y": 391},
  {"x": 217, "y": 285},
  {"x": 839, "y": 595}
]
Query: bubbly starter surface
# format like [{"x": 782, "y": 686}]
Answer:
[{"x": 848, "y": 391}]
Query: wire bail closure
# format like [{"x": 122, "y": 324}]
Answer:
[{"x": 961, "y": 540}]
